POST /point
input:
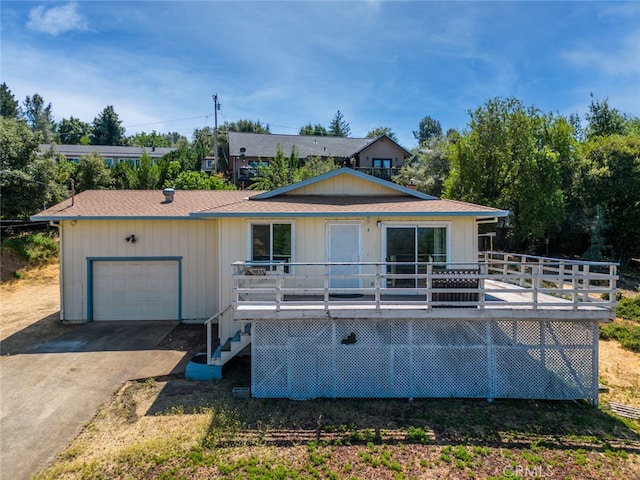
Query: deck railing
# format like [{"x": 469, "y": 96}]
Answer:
[{"x": 497, "y": 281}]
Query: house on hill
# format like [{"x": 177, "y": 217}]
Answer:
[
  {"x": 380, "y": 156},
  {"x": 111, "y": 154},
  {"x": 343, "y": 285}
]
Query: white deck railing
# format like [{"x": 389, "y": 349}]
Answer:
[{"x": 497, "y": 281}]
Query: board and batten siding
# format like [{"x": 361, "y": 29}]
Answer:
[
  {"x": 345, "y": 185},
  {"x": 310, "y": 245},
  {"x": 193, "y": 241}
]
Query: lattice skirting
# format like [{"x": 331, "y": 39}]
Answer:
[{"x": 411, "y": 358}]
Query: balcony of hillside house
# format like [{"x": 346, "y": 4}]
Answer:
[
  {"x": 385, "y": 173},
  {"x": 498, "y": 286}
]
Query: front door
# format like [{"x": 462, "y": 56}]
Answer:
[{"x": 344, "y": 247}]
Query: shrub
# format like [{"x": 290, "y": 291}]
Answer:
[
  {"x": 33, "y": 248},
  {"x": 627, "y": 335},
  {"x": 629, "y": 308}
]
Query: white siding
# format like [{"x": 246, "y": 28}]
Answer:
[{"x": 194, "y": 241}]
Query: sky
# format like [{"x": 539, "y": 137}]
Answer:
[{"x": 291, "y": 63}]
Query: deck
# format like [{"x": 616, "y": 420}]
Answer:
[{"x": 499, "y": 285}]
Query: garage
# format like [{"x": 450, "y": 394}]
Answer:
[{"x": 137, "y": 289}]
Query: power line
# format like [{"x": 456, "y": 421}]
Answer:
[{"x": 166, "y": 121}]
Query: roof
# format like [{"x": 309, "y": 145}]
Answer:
[
  {"x": 106, "y": 150},
  {"x": 344, "y": 171},
  {"x": 260, "y": 145},
  {"x": 151, "y": 204}
]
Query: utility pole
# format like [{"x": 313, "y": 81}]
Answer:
[{"x": 216, "y": 107}]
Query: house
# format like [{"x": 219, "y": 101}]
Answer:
[
  {"x": 343, "y": 285},
  {"x": 378, "y": 156},
  {"x": 111, "y": 154}
]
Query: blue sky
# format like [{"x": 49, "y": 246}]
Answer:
[{"x": 291, "y": 63}]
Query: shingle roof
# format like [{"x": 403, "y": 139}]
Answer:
[
  {"x": 106, "y": 150},
  {"x": 150, "y": 204},
  {"x": 266, "y": 145}
]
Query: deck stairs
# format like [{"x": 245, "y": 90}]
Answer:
[{"x": 233, "y": 346}]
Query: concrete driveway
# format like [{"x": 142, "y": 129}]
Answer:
[{"x": 48, "y": 393}]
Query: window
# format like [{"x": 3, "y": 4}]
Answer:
[
  {"x": 382, "y": 167},
  {"x": 271, "y": 242},
  {"x": 414, "y": 245}
]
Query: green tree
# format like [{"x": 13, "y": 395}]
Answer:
[
  {"x": 247, "y": 126},
  {"x": 73, "y": 131},
  {"x": 314, "y": 166},
  {"x": 9, "y": 106},
  {"x": 168, "y": 171},
  {"x": 143, "y": 139},
  {"x": 313, "y": 130},
  {"x": 280, "y": 172},
  {"x": 376, "y": 132},
  {"x": 124, "y": 176},
  {"x": 148, "y": 175},
  {"x": 604, "y": 120},
  {"x": 338, "y": 126},
  {"x": 506, "y": 160},
  {"x": 191, "y": 180},
  {"x": 18, "y": 150},
  {"x": 39, "y": 118},
  {"x": 107, "y": 128},
  {"x": 427, "y": 170},
  {"x": 428, "y": 131},
  {"x": 93, "y": 173},
  {"x": 610, "y": 181},
  {"x": 175, "y": 139}
]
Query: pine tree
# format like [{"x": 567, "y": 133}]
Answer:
[{"x": 338, "y": 126}]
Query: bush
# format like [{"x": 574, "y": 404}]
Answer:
[
  {"x": 629, "y": 308},
  {"x": 36, "y": 247},
  {"x": 627, "y": 335}
]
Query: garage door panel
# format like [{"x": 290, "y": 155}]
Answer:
[{"x": 135, "y": 290}]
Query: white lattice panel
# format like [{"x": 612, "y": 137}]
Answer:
[{"x": 323, "y": 357}]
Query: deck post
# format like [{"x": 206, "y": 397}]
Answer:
[{"x": 377, "y": 286}]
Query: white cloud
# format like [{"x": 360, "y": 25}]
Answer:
[
  {"x": 624, "y": 60},
  {"x": 56, "y": 20}
]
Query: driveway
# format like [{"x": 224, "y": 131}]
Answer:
[{"x": 49, "y": 392}]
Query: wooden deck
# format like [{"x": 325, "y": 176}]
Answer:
[{"x": 498, "y": 286}]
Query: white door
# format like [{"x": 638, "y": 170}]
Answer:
[
  {"x": 344, "y": 246},
  {"x": 135, "y": 290}
]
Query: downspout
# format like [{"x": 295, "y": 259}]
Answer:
[{"x": 60, "y": 269}]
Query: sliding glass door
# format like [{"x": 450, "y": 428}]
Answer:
[{"x": 409, "y": 248}]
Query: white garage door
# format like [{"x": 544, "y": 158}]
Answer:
[{"x": 135, "y": 290}]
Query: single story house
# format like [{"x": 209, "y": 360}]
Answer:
[
  {"x": 112, "y": 154},
  {"x": 379, "y": 156},
  {"x": 343, "y": 285}
]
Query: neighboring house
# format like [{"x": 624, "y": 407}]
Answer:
[
  {"x": 111, "y": 154},
  {"x": 380, "y": 156},
  {"x": 344, "y": 285}
]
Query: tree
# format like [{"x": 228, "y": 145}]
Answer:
[
  {"x": 191, "y": 180},
  {"x": 9, "y": 106},
  {"x": 506, "y": 161},
  {"x": 247, "y": 126},
  {"x": 124, "y": 176},
  {"x": 427, "y": 170},
  {"x": 314, "y": 166},
  {"x": 18, "y": 150},
  {"x": 316, "y": 130},
  {"x": 39, "y": 117},
  {"x": 376, "y": 132},
  {"x": 153, "y": 139},
  {"x": 604, "y": 120},
  {"x": 338, "y": 126},
  {"x": 107, "y": 128},
  {"x": 93, "y": 173},
  {"x": 428, "y": 131},
  {"x": 148, "y": 176},
  {"x": 73, "y": 131},
  {"x": 610, "y": 185},
  {"x": 280, "y": 172}
]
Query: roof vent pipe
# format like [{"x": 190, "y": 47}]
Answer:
[{"x": 168, "y": 195}]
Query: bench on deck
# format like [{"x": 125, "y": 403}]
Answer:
[{"x": 456, "y": 279}]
